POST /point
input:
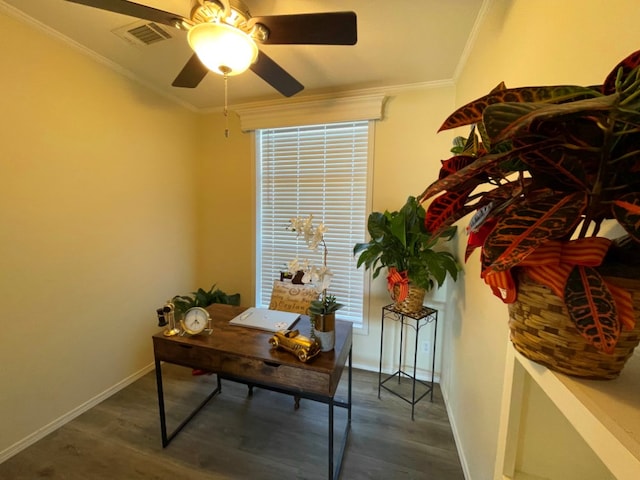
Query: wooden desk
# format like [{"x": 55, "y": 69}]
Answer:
[{"x": 244, "y": 355}]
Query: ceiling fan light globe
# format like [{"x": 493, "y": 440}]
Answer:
[{"x": 222, "y": 48}]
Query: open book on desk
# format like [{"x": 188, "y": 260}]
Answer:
[{"x": 265, "y": 319}]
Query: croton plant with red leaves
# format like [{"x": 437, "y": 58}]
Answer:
[{"x": 543, "y": 168}]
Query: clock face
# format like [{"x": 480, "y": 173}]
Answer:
[{"x": 195, "y": 320}]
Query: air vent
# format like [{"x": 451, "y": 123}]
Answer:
[{"x": 142, "y": 33}]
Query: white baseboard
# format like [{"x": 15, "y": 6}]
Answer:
[
  {"x": 67, "y": 417},
  {"x": 456, "y": 437}
]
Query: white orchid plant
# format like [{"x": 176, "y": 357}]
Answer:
[{"x": 318, "y": 275}]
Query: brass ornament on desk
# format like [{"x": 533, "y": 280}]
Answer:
[
  {"x": 291, "y": 341},
  {"x": 168, "y": 312}
]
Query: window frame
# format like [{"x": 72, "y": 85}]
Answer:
[{"x": 260, "y": 296}]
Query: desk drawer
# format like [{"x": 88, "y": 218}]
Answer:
[
  {"x": 278, "y": 375},
  {"x": 186, "y": 355},
  {"x": 247, "y": 369}
]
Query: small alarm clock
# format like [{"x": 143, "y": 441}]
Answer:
[{"x": 196, "y": 320}]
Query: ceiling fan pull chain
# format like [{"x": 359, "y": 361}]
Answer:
[{"x": 226, "y": 110}]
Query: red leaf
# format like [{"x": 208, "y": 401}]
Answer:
[
  {"x": 475, "y": 171},
  {"x": 472, "y": 111},
  {"x": 446, "y": 209},
  {"x": 454, "y": 164},
  {"x": 592, "y": 308},
  {"x": 524, "y": 226},
  {"x": 476, "y": 239},
  {"x": 627, "y": 213}
]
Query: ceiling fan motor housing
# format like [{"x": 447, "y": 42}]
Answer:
[{"x": 238, "y": 16}]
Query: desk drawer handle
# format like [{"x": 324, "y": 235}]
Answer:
[
  {"x": 271, "y": 364},
  {"x": 189, "y": 347}
]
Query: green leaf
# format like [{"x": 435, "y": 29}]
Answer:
[
  {"x": 398, "y": 229},
  {"x": 203, "y": 298}
]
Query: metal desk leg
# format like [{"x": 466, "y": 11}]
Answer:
[
  {"x": 334, "y": 472},
  {"x": 330, "y": 439},
  {"x": 349, "y": 390},
  {"x": 163, "y": 419},
  {"x": 166, "y": 439}
]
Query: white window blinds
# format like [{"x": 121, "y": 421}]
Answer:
[{"x": 319, "y": 170}]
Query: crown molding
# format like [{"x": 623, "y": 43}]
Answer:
[
  {"x": 32, "y": 22},
  {"x": 471, "y": 40},
  {"x": 362, "y": 104}
]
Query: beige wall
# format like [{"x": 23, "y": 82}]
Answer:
[
  {"x": 226, "y": 207},
  {"x": 97, "y": 215},
  {"x": 523, "y": 42}
]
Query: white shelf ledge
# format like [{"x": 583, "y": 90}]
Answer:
[{"x": 606, "y": 413}]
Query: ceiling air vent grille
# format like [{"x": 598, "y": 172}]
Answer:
[{"x": 142, "y": 33}]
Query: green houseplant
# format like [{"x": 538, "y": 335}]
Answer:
[
  {"x": 400, "y": 243},
  {"x": 545, "y": 170},
  {"x": 204, "y": 298}
]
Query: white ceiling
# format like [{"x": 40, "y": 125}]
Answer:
[{"x": 400, "y": 42}]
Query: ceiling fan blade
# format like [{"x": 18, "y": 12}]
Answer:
[
  {"x": 133, "y": 10},
  {"x": 330, "y": 28},
  {"x": 191, "y": 74},
  {"x": 275, "y": 75}
]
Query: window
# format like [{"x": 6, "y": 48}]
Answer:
[{"x": 319, "y": 170}]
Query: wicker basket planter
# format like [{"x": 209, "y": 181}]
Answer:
[
  {"x": 414, "y": 301},
  {"x": 542, "y": 331}
]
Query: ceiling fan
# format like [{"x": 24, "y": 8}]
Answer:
[{"x": 228, "y": 23}]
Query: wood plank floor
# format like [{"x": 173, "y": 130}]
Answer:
[{"x": 241, "y": 437}]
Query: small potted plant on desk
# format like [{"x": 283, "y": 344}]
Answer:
[
  {"x": 401, "y": 244},
  {"x": 323, "y": 318},
  {"x": 545, "y": 169}
]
